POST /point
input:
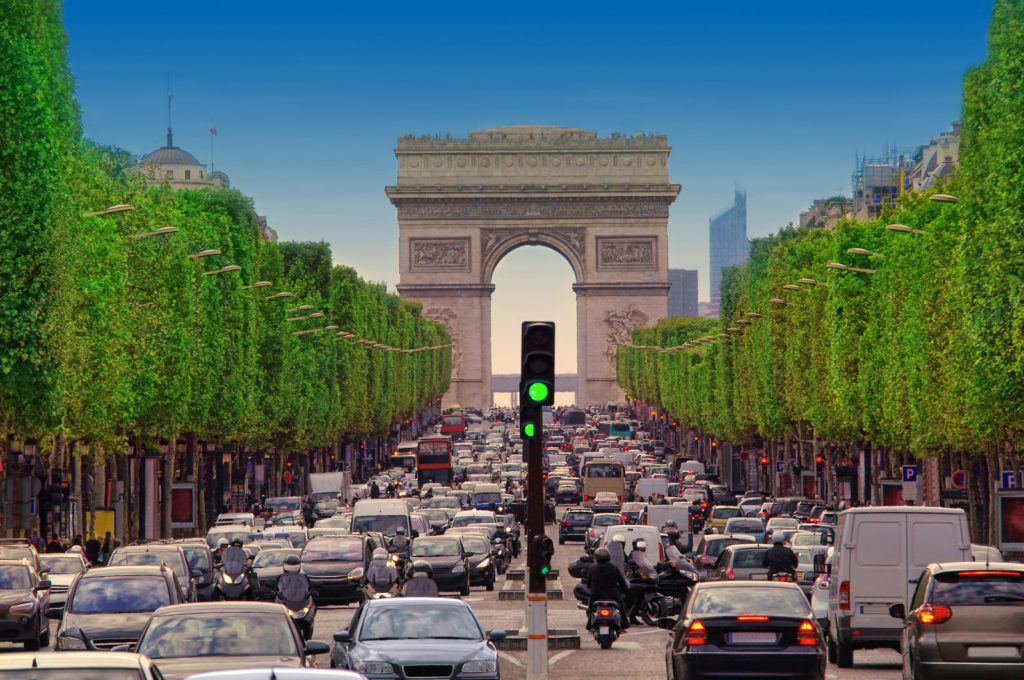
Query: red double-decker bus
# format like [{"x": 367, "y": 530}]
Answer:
[
  {"x": 453, "y": 425},
  {"x": 434, "y": 461}
]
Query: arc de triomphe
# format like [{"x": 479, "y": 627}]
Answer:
[{"x": 602, "y": 203}]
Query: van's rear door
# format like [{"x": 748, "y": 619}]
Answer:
[
  {"x": 878, "y": 574},
  {"x": 938, "y": 537}
]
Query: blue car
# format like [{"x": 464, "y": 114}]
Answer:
[{"x": 746, "y": 525}]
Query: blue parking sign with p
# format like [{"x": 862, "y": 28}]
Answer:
[
  {"x": 1009, "y": 479},
  {"x": 909, "y": 473}
]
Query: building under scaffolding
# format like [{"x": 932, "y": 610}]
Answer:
[{"x": 878, "y": 182}]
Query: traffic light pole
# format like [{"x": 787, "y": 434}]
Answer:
[{"x": 537, "y": 590}]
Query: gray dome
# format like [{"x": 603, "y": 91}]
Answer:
[{"x": 170, "y": 155}]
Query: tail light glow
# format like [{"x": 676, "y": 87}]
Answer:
[
  {"x": 696, "y": 634},
  {"x": 751, "y": 618},
  {"x": 844, "y": 595},
  {"x": 604, "y": 612},
  {"x": 934, "y": 613},
  {"x": 730, "y": 575},
  {"x": 806, "y": 635}
]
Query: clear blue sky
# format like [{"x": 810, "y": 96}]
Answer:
[{"x": 308, "y": 100}]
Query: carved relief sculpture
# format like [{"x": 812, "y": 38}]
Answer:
[
  {"x": 440, "y": 253},
  {"x": 620, "y": 324},
  {"x": 446, "y": 316},
  {"x": 616, "y": 252}
]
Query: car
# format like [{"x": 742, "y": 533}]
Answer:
[
  {"x": 235, "y": 518},
  {"x": 268, "y": 565},
  {"x": 633, "y": 532},
  {"x": 500, "y": 556},
  {"x": 447, "y": 559},
  {"x": 963, "y": 622},
  {"x": 62, "y": 569},
  {"x": 187, "y": 638},
  {"x": 606, "y": 501},
  {"x": 745, "y": 525},
  {"x": 24, "y": 597},
  {"x": 740, "y": 562},
  {"x": 749, "y": 506},
  {"x": 574, "y": 525},
  {"x": 78, "y": 666},
  {"x": 436, "y": 519},
  {"x": 171, "y": 555},
  {"x": 568, "y": 492},
  {"x": 768, "y": 510},
  {"x": 631, "y": 512},
  {"x": 275, "y": 673},
  {"x": 711, "y": 546},
  {"x": 200, "y": 557},
  {"x": 805, "y": 571},
  {"x": 740, "y": 628},
  {"x": 601, "y": 522},
  {"x": 776, "y": 524},
  {"x": 283, "y": 504},
  {"x": 229, "y": 533},
  {"x": 417, "y": 637},
  {"x": 21, "y": 549},
  {"x": 331, "y": 563},
  {"x": 815, "y": 541},
  {"x": 467, "y": 517},
  {"x": 721, "y": 514},
  {"x": 819, "y": 594},
  {"x": 109, "y": 607},
  {"x": 482, "y": 569}
]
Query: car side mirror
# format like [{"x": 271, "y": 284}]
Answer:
[
  {"x": 415, "y": 534},
  {"x": 123, "y": 648},
  {"x": 898, "y": 611},
  {"x": 819, "y": 564},
  {"x": 197, "y": 573},
  {"x": 496, "y": 635},
  {"x": 43, "y": 585},
  {"x": 342, "y": 636},
  {"x": 314, "y": 647},
  {"x": 56, "y": 613}
]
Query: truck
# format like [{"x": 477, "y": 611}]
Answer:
[{"x": 329, "y": 485}]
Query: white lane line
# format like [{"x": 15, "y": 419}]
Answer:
[
  {"x": 626, "y": 645},
  {"x": 511, "y": 659},
  {"x": 561, "y": 655}
]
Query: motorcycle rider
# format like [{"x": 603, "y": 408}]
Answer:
[
  {"x": 780, "y": 559},
  {"x": 218, "y": 554},
  {"x": 641, "y": 570},
  {"x": 617, "y": 549},
  {"x": 400, "y": 544},
  {"x": 380, "y": 575},
  {"x": 605, "y": 583},
  {"x": 292, "y": 584},
  {"x": 422, "y": 582}
]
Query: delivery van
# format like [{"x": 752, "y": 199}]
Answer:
[{"x": 878, "y": 558}]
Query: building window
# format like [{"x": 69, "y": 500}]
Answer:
[
  {"x": 188, "y": 174},
  {"x": 169, "y": 174}
]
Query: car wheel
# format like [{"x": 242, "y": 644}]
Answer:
[
  {"x": 844, "y": 655},
  {"x": 490, "y": 581},
  {"x": 32, "y": 645},
  {"x": 44, "y": 638},
  {"x": 465, "y": 589},
  {"x": 561, "y": 541}
]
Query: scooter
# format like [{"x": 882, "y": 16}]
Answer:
[
  {"x": 232, "y": 581},
  {"x": 303, "y": 612},
  {"x": 605, "y": 621},
  {"x": 782, "y": 576}
]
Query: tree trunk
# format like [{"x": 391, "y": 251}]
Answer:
[{"x": 169, "y": 464}]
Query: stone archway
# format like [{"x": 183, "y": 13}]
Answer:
[{"x": 602, "y": 203}]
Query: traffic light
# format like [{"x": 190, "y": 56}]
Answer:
[
  {"x": 543, "y": 550},
  {"x": 528, "y": 428},
  {"x": 537, "y": 382},
  {"x": 764, "y": 460},
  {"x": 819, "y": 463}
]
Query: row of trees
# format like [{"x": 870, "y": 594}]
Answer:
[
  {"x": 110, "y": 331},
  {"x": 923, "y": 357}
]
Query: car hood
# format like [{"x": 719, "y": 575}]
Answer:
[
  {"x": 175, "y": 669},
  {"x": 61, "y": 579},
  {"x": 9, "y": 597},
  {"x": 447, "y": 561},
  {"x": 268, "y": 572},
  {"x": 106, "y": 625},
  {"x": 329, "y": 568},
  {"x": 423, "y": 652}
]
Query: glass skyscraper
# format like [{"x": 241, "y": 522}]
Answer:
[{"x": 729, "y": 245}]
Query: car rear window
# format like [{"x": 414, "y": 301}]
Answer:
[
  {"x": 980, "y": 587},
  {"x": 725, "y": 513},
  {"x": 578, "y": 516},
  {"x": 748, "y": 557},
  {"x": 747, "y": 600},
  {"x": 753, "y": 527}
]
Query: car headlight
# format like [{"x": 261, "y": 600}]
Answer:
[
  {"x": 373, "y": 667},
  {"x": 300, "y": 612},
  {"x": 458, "y": 569},
  {"x": 23, "y": 608},
  {"x": 484, "y": 564},
  {"x": 69, "y": 642},
  {"x": 481, "y": 666}
]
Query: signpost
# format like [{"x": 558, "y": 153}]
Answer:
[
  {"x": 958, "y": 479},
  {"x": 1009, "y": 479},
  {"x": 909, "y": 483}
]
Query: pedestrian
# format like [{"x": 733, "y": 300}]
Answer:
[
  {"x": 109, "y": 545},
  {"x": 92, "y": 550},
  {"x": 374, "y": 490},
  {"x": 37, "y": 541},
  {"x": 53, "y": 544},
  {"x": 77, "y": 541}
]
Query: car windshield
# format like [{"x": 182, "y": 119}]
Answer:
[
  {"x": 62, "y": 564},
  {"x": 240, "y": 634},
  {"x": 385, "y": 524},
  {"x": 606, "y": 520},
  {"x": 282, "y": 504},
  {"x": 198, "y": 558},
  {"x": 744, "y": 600},
  {"x": 443, "y": 502},
  {"x": 486, "y": 497},
  {"x": 241, "y": 533},
  {"x": 435, "y": 548},
  {"x": 748, "y": 527},
  {"x": 16, "y": 552},
  {"x": 475, "y": 545},
  {"x": 725, "y": 512},
  {"x": 979, "y": 587},
  {"x": 748, "y": 557},
  {"x": 472, "y": 519},
  {"x": 715, "y": 548},
  {"x": 806, "y": 538},
  {"x": 119, "y": 595},
  {"x": 73, "y": 673},
  {"x": 15, "y": 578},
  {"x": 343, "y": 551},
  {"x": 419, "y": 621},
  {"x": 170, "y": 559},
  {"x": 335, "y": 522},
  {"x": 272, "y": 558},
  {"x": 578, "y": 516}
]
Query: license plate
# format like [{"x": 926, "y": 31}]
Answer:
[
  {"x": 759, "y": 577},
  {"x": 603, "y": 630},
  {"x": 991, "y": 652},
  {"x": 752, "y": 638},
  {"x": 799, "y": 575},
  {"x": 874, "y": 609}
]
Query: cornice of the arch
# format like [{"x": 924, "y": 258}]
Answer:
[{"x": 569, "y": 242}]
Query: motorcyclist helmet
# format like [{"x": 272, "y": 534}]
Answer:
[
  {"x": 602, "y": 555},
  {"x": 640, "y": 544},
  {"x": 380, "y": 554},
  {"x": 236, "y": 541},
  {"x": 777, "y": 540},
  {"x": 400, "y": 531},
  {"x": 291, "y": 563},
  {"x": 619, "y": 538},
  {"x": 670, "y": 524},
  {"x": 222, "y": 543},
  {"x": 422, "y": 568}
]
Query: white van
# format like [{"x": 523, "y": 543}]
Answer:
[
  {"x": 384, "y": 515},
  {"x": 646, "y": 487},
  {"x": 657, "y": 515},
  {"x": 691, "y": 467},
  {"x": 878, "y": 558}
]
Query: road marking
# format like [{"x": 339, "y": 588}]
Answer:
[
  {"x": 635, "y": 646},
  {"x": 561, "y": 655},
  {"x": 511, "y": 659}
]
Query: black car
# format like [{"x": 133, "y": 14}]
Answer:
[
  {"x": 495, "y": 536},
  {"x": 171, "y": 555},
  {"x": 482, "y": 568},
  {"x": 447, "y": 558},
  {"x": 417, "y": 637},
  {"x": 329, "y": 562},
  {"x": 568, "y": 492},
  {"x": 200, "y": 558},
  {"x": 574, "y": 525},
  {"x": 24, "y": 597},
  {"x": 631, "y": 512},
  {"x": 111, "y": 606},
  {"x": 269, "y": 565},
  {"x": 736, "y": 629}
]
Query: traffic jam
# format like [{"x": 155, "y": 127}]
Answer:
[{"x": 741, "y": 584}]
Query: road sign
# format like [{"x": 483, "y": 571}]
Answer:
[
  {"x": 744, "y": 456},
  {"x": 909, "y": 473},
  {"x": 958, "y": 479},
  {"x": 1009, "y": 478},
  {"x": 779, "y": 466}
]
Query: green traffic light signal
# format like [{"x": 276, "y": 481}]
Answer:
[
  {"x": 545, "y": 569},
  {"x": 537, "y": 391},
  {"x": 528, "y": 429}
]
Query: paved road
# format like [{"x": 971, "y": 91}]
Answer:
[{"x": 640, "y": 653}]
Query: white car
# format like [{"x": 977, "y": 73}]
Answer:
[{"x": 819, "y": 593}]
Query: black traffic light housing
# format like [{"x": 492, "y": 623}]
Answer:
[
  {"x": 543, "y": 551},
  {"x": 537, "y": 381}
]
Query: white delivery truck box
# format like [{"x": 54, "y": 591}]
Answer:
[
  {"x": 878, "y": 558},
  {"x": 657, "y": 515},
  {"x": 646, "y": 487}
]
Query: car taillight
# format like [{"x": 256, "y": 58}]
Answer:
[
  {"x": 566, "y": 523},
  {"x": 661, "y": 552},
  {"x": 751, "y": 618},
  {"x": 730, "y": 575},
  {"x": 696, "y": 634},
  {"x": 625, "y": 519},
  {"x": 934, "y": 613},
  {"x": 806, "y": 635},
  {"x": 604, "y": 612},
  {"x": 844, "y": 595},
  {"x": 703, "y": 505}
]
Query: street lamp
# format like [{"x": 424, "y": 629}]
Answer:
[
  {"x": 843, "y": 267},
  {"x": 942, "y": 198},
  {"x": 300, "y": 308},
  {"x": 753, "y": 315},
  {"x": 156, "y": 232},
  {"x": 903, "y": 228},
  {"x": 791, "y": 286},
  {"x": 258, "y": 284},
  {"x": 204, "y": 253},
  {"x": 120, "y": 207},
  {"x": 811, "y": 282},
  {"x": 863, "y": 251}
]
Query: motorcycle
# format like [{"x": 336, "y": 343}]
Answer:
[
  {"x": 605, "y": 621},
  {"x": 664, "y": 596},
  {"x": 232, "y": 581},
  {"x": 302, "y": 611},
  {"x": 782, "y": 576}
]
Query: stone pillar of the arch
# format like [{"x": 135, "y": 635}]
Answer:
[
  {"x": 606, "y": 314},
  {"x": 466, "y": 310}
]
